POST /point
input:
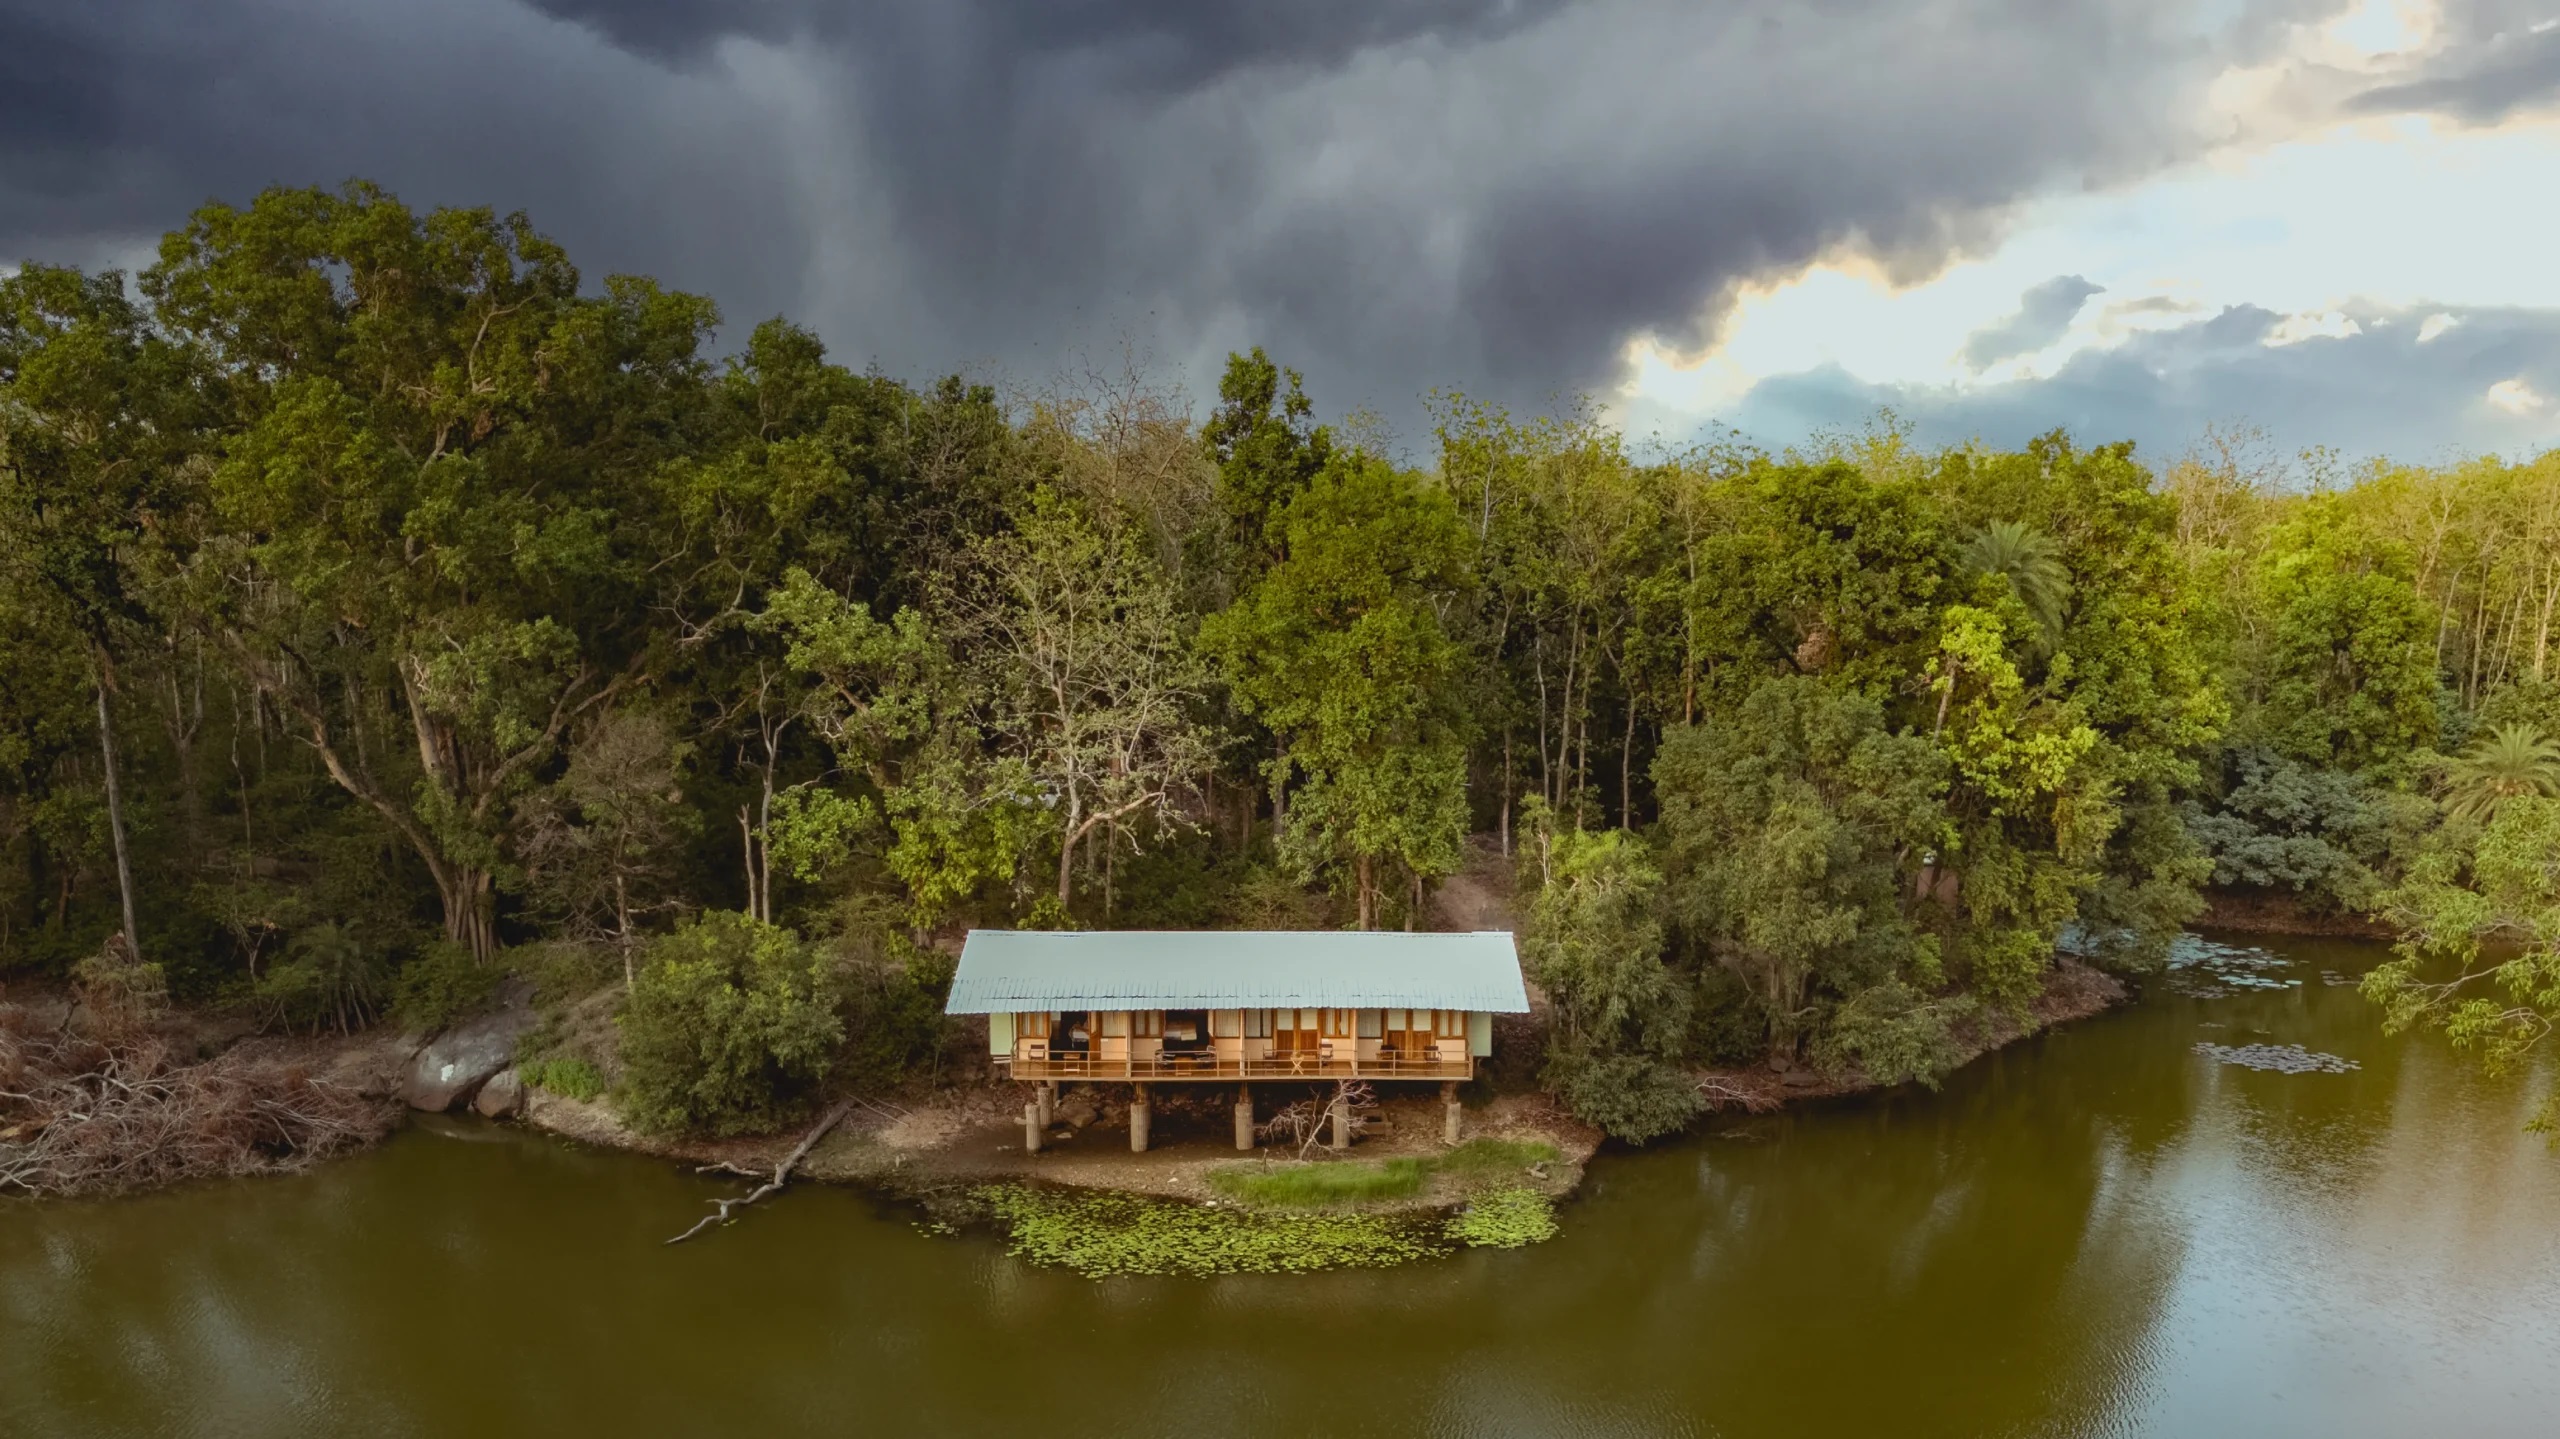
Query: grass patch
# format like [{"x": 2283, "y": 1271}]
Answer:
[
  {"x": 1099, "y": 1233},
  {"x": 1480, "y": 1158},
  {"x": 1504, "y": 1219},
  {"x": 1309, "y": 1185}
]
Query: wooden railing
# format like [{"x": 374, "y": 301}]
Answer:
[{"x": 1069, "y": 1064}]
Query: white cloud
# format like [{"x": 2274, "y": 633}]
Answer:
[
  {"x": 2515, "y": 397},
  {"x": 2434, "y": 325},
  {"x": 2329, "y": 325}
]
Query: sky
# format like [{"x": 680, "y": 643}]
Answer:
[{"x": 2328, "y": 220}]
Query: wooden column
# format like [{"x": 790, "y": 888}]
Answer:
[
  {"x": 1244, "y": 1116},
  {"x": 1450, "y": 1114},
  {"x": 1138, "y": 1117},
  {"x": 1033, "y": 1131},
  {"x": 1341, "y": 1125}
]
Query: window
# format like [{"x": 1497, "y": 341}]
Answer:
[
  {"x": 1451, "y": 1024},
  {"x": 1226, "y": 1023},
  {"x": 1338, "y": 1023},
  {"x": 1033, "y": 1025},
  {"x": 1257, "y": 1024},
  {"x": 1115, "y": 1024},
  {"x": 1147, "y": 1024},
  {"x": 1372, "y": 1024}
]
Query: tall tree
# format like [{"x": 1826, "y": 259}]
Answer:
[
  {"x": 426, "y": 498},
  {"x": 1340, "y": 650}
]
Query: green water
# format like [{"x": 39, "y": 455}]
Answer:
[{"x": 2097, "y": 1232}]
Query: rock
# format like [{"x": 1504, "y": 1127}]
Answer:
[
  {"x": 1800, "y": 1079},
  {"x": 453, "y": 1065},
  {"x": 502, "y": 1097},
  {"x": 1078, "y": 1110}
]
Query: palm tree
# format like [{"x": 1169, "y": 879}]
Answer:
[
  {"x": 2514, "y": 761},
  {"x": 2026, "y": 559}
]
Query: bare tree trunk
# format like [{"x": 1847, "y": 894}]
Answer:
[
  {"x": 1627, "y": 769},
  {"x": 115, "y": 818}
]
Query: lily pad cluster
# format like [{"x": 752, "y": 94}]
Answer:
[{"x": 2277, "y": 1058}]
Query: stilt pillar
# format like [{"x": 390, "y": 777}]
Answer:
[
  {"x": 1138, "y": 1118},
  {"x": 1341, "y": 1124},
  {"x": 1033, "y": 1131},
  {"x": 1047, "y": 1097},
  {"x": 1244, "y": 1116},
  {"x": 1450, "y": 1114}
]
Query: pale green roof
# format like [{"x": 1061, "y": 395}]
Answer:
[{"x": 1014, "y": 969}]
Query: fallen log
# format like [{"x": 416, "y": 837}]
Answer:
[{"x": 722, "y": 1208}]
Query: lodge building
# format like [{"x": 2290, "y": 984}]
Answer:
[{"x": 1151, "y": 1006}]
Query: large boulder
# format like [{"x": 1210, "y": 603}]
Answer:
[
  {"x": 502, "y": 1097},
  {"x": 451, "y": 1068}
]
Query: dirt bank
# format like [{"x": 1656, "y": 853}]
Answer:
[{"x": 2276, "y": 912}]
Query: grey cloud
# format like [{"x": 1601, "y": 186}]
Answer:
[
  {"x": 2498, "y": 57},
  {"x": 2376, "y": 392},
  {"x": 2044, "y": 312},
  {"x": 1469, "y": 192}
]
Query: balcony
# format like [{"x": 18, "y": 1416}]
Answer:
[{"x": 1036, "y": 1064}]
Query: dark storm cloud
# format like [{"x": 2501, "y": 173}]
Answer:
[
  {"x": 1494, "y": 194},
  {"x": 2498, "y": 57},
  {"x": 2044, "y": 312},
  {"x": 2380, "y": 391}
]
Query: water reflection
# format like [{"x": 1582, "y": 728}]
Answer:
[{"x": 2099, "y": 1232}]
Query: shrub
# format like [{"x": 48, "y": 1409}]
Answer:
[
  {"x": 442, "y": 984},
  {"x": 729, "y": 1025},
  {"x": 1895, "y": 1036},
  {"x": 1633, "y": 1097},
  {"x": 573, "y": 1078},
  {"x": 328, "y": 979}
]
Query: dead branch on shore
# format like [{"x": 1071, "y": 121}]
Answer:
[
  {"x": 781, "y": 1173},
  {"x": 1720, "y": 1092},
  {"x": 108, "y": 1108},
  {"x": 1302, "y": 1123}
]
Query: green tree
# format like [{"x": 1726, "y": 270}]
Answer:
[
  {"x": 1340, "y": 650},
  {"x": 424, "y": 505},
  {"x": 1088, "y": 674},
  {"x": 2473, "y": 892},
  {"x": 1792, "y": 833},
  {"x": 1592, "y": 939},
  {"x": 2514, "y": 761}
]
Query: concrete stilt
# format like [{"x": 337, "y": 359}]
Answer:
[
  {"x": 1047, "y": 1096},
  {"x": 1033, "y": 1131},
  {"x": 1244, "y": 1116},
  {"x": 1341, "y": 1125},
  {"x": 1138, "y": 1118},
  {"x": 1450, "y": 1115}
]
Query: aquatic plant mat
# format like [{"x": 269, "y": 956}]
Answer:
[
  {"x": 1099, "y": 1233},
  {"x": 2277, "y": 1058}
]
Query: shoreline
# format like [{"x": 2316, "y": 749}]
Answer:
[{"x": 960, "y": 1139}]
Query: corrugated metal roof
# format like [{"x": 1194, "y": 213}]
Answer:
[{"x": 1014, "y": 969}]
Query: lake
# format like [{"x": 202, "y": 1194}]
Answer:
[{"x": 2100, "y": 1231}]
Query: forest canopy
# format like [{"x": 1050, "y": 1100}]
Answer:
[{"x": 384, "y": 605}]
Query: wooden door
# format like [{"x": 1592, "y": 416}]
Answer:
[
  {"x": 1295, "y": 1033},
  {"x": 1408, "y": 1033}
]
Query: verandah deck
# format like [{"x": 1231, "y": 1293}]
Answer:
[{"x": 1180, "y": 1066}]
